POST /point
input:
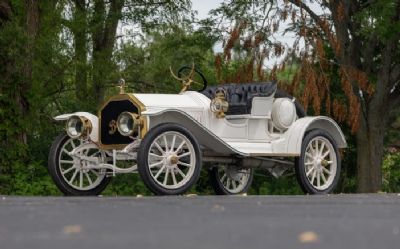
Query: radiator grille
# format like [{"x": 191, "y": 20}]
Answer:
[{"x": 109, "y": 135}]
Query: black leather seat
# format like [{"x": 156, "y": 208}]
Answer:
[{"x": 240, "y": 96}]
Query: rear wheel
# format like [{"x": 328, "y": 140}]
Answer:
[
  {"x": 169, "y": 159},
  {"x": 70, "y": 174},
  {"x": 230, "y": 180},
  {"x": 318, "y": 167}
]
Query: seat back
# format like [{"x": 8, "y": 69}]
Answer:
[{"x": 240, "y": 96}]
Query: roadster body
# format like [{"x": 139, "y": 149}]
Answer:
[{"x": 230, "y": 129}]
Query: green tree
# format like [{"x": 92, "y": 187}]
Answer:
[{"x": 147, "y": 66}]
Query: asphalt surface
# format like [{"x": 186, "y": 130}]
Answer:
[{"x": 191, "y": 222}]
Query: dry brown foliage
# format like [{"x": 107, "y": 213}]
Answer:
[{"x": 311, "y": 84}]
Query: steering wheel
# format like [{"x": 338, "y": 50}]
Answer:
[{"x": 187, "y": 79}]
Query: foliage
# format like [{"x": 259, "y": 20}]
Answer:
[{"x": 391, "y": 172}]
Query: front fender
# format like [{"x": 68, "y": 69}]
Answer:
[
  {"x": 292, "y": 140},
  {"x": 94, "y": 135},
  {"x": 204, "y": 136}
]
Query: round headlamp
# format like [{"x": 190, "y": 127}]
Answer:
[
  {"x": 219, "y": 105},
  {"x": 128, "y": 123},
  {"x": 78, "y": 126}
]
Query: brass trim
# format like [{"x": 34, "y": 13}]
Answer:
[
  {"x": 141, "y": 108},
  {"x": 219, "y": 101},
  {"x": 137, "y": 123},
  {"x": 86, "y": 123}
]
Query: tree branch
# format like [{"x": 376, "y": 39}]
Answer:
[{"x": 305, "y": 7}]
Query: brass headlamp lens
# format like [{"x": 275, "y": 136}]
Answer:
[{"x": 128, "y": 123}]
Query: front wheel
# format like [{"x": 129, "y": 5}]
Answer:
[
  {"x": 70, "y": 174},
  {"x": 318, "y": 167},
  {"x": 230, "y": 180},
  {"x": 169, "y": 159}
]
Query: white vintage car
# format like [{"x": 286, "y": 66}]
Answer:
[{"x": 231, "y": 129}]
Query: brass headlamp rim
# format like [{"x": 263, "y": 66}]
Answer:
[
  {"x": 86, "y": 127},
  {"x": 137, "y": 123}
]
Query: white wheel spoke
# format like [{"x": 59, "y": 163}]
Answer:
[
  {"x": 66, "y": 151},
  {"x": 155, "y": 164},
  {"x": 313, "y": 176},
  {"x": 67, "y": 170},
  {"x": 166, "y": 176},
  {"x": 223, "y": 178},
  {"x": 80, "y": 179},
  {"x": 318, "y": 179},
  {"x": 228, "y": 183},
  {"x": 184, "y": 164},
  {"x": 73, "y": 176},
  {"x": 316, "y": 146},
  {"x": 310, "y": 171},
  {"x": 309, "y": 155},
  {"x": 165, "y": 142},
  {"x": 180, "y": 147},
  {"x": 309, "y": 163},
  {"x": 159, "y": 172},
  {"x": 159, "y": 147},
  {"x": 180, "y": 172},
  {"x": 95, "y": 172},
  {"x": 88, "y": 178},
  {"x": 173, "y": 143},
  {"x": 322, "y": 148},
  {"x": 234, "y": 184},
  {"x": 325, "y": 154},
  {"x": 67, "y": 161},
  {"x": 311, "y": 148},
  {"x": 155, "y": 155},
  {"x": 326, "y": 170},
  {"x": 323, "y": 177},
  {"x": 184, "y": 154},
  {"x": 173, "y": 177}
]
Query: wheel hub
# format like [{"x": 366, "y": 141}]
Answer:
[
  {"x": 173, "y": 160},
  {"x": 318, "y": 164},
  {"x": 234, "y": 173}
]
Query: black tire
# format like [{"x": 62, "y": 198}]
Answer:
[
  {"x": 55, "y": 173},
  {"x": 300, "y": 166},
  {"x": 143, "y": 154},
  {"x": 219, "y": 187},
  {"x": 300, "y": 111}
]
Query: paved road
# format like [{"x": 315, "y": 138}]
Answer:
[{"x": 268, "y": 222}]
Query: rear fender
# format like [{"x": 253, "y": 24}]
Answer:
[
  {"x": 94, "y": 135},
  {"x": 292, "y": 139}
]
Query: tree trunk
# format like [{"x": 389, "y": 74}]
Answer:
[
  {"x": 370, "y": 148},
  {"x": 104, "y": 36},
  {"x": 31, "y": 29},
  {"x": 80, "y": 45}
]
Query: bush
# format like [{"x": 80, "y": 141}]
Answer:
[{"x": 391, "y": 172}]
